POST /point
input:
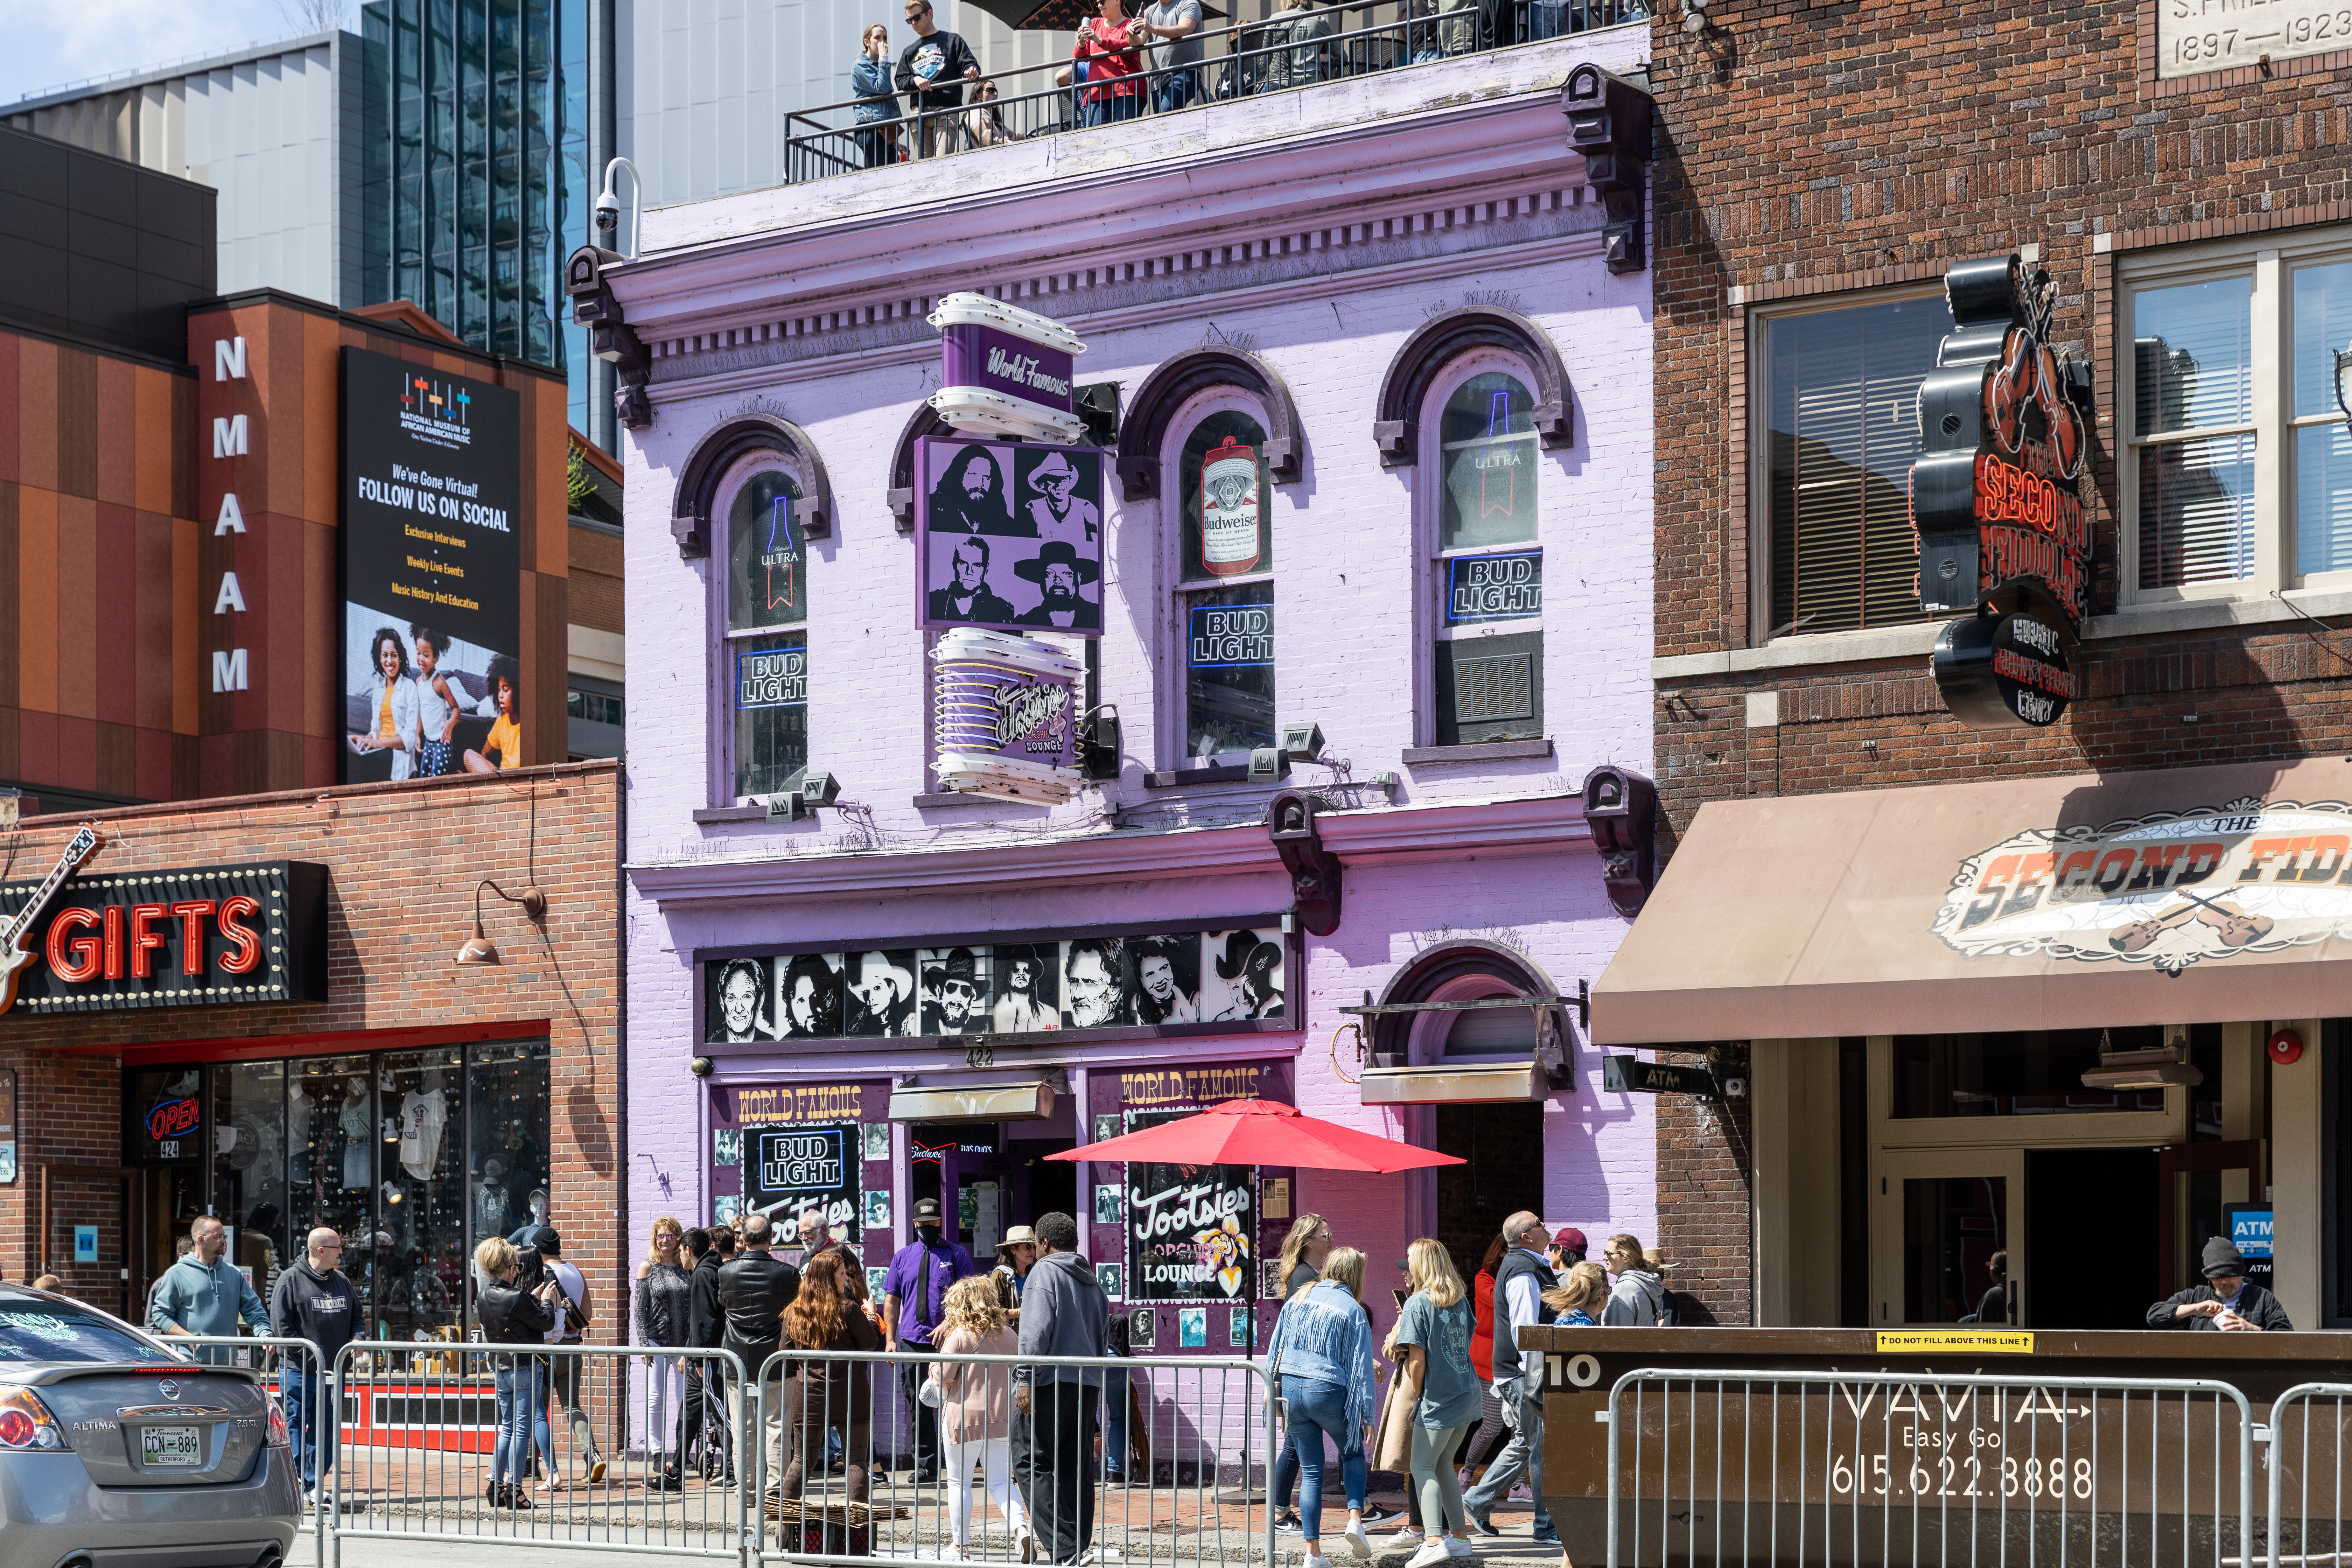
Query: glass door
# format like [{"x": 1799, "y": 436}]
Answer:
[{"x": 1946, "y": 1226}]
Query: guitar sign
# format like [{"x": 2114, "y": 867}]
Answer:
[{"x": 16, "y": 951}]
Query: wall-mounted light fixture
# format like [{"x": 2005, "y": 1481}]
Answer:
[{"x": 481, "y": 949}]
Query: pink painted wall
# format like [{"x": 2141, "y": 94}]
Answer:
[{"x": 1321, "y": 254}]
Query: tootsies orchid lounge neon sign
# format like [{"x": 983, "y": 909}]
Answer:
[{"x": 209, "y": 936}]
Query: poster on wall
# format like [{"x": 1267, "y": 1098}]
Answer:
[
  {"x": 1192, "y": 1229},
  {"x": 787, "y": 1170},
  {"x": 432, "y": 557},
  {"x": 1010, "y": 535},
  {"x": 1152, "y": 980}
]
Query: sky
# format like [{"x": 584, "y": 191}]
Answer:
[{"x": 51, "y": 44}]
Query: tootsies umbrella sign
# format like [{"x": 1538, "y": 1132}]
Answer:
[{"x": 1996, "y": 499}]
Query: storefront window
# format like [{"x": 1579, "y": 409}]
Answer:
[
  {"x": 2032, "y": 1073},
  {"x": 249, "y": 1165}
]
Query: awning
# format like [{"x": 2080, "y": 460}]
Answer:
[
  {"x": 1460, "y": 1083},
  {"x": 2174, "y": 896},
  {"x": 1028, "y": 1101}
]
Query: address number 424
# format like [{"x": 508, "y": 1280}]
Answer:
[{"x": 1965, "y": 1477}]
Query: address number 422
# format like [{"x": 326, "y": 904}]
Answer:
[{"x": 1963, "y": 1477}]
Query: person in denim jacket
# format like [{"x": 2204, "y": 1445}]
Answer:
[{"x": 1322, "y": 1350}]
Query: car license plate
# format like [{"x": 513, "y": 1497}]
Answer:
[{"x": 170, "y": 1447}]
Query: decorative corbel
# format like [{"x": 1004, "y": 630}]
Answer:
[
  {"x": 609, "y": 337},
  {"x": 1314, "y": 870},
  {"x": 1621, "y": 810},
  {"x": 1609, "y": 122}
]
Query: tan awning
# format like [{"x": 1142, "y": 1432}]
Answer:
[
  {"x": 1454, "y": 1084},
  {"x": 974, "y": 1103},
  {"x": 2182, "y": 895}
]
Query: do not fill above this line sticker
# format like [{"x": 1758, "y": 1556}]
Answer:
[{"x": 1954, "y": 1342}]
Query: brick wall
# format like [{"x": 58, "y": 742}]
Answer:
[
  {"x": 1807, "y": 150},
  {"x": 402, "y": 860}
]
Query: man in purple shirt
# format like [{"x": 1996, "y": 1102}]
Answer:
[{"x": 912, "y": 1293}]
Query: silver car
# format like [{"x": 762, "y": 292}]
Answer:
[{"x": 115, "y": 1450}]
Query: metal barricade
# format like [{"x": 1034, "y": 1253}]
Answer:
[
  {"x": 298, "y": 1381},
  {"x": 1156, "y": 1461},
  {"x": 1838, "y": 1467},
  {"x": 2305, "y": 1459},
  {"x": 594, "y": 1447}
]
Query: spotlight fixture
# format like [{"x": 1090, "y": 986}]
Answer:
[{"x": 481, "y": 949}]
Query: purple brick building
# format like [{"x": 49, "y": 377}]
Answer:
[{"x": 1394, "y": 294}]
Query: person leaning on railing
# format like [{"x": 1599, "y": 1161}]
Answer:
[{"x": 878, "y": 105}]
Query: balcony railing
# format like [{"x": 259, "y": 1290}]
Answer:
[{"x": 1287, "y": 49}]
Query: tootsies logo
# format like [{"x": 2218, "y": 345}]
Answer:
[
  {"x": 2168, "y": 889},
  {"x": 184, "y": 938},
  {"x": 2004, "y": 425}
]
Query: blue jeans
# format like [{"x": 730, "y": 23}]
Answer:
[
  {"x": 306, "y": 1436},
  {"x": 1102, "y": 111},
  {"x": 1174, "y": 91},
  {"x": 1317, "y": 1407},
  {"x": 522, "y": 1400}
]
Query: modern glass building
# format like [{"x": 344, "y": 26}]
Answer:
[{"x": 493, "y": 117}]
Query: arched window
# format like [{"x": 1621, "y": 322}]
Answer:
[
  {"x": 1223, "y": 599},
  {"x": 1482, "y": 496},
  {"x": 763, "y": 611}
]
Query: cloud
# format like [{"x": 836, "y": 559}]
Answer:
[{"x": 51, "y": 45}]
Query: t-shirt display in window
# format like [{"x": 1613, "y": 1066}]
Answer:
[{"x": 423, "y": 1115}]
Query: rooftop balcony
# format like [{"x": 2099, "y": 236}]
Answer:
[{"x": 1350, "y": 54}]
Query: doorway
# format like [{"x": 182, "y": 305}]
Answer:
[{"x": 1503, "y": 1144}]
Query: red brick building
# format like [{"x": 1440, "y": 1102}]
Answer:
[
  {"x": 413, "y": 1103},
  {"x": 1917, "y": 1101}
]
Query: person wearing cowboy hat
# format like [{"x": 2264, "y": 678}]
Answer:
[
  {"x": 881, "y": 994},
  {"x": 1061, "y": 512},
  {"x": 1015, "y": 1255},
  {"x": 1058, "y": 572},
  {"x": 954, "y": 1000}
]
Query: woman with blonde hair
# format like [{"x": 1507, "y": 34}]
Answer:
[
  {"x": 1321, "y": 1356},
  {"x": 1576, "y": 1297},
  {"x": 975, "y": 1411},
  {"x": 664, "y": 1301},
  {"x": 1433, "y": 1341},
  {"x": 827, "y": 1395},
  {"x": 1300, "y": 1264}
]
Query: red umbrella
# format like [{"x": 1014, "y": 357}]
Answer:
[{"x": 1260, "y": 1132}]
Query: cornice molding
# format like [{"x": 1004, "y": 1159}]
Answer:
[{"x": 1440, "y": 830}]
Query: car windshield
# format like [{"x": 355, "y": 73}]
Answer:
[{"x": 34, "y": 1329}]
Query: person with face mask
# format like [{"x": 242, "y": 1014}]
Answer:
[{"x": 914, "y": 1304}]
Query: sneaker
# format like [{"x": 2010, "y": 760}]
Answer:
[
  {"x": 1354, "y": 1536},
  {"x": 1480, "y": 1525},
  {"x": 1432, "y": 1551},
  {"x": 1288, "y": 1525},
  {"x": 1457, "y": 1547}
]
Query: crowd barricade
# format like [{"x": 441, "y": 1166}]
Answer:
[
  {"x": 1155, "y": 1460},
  {"x": 299, "y": 1382},
  {"x": 1837, "y": 1467},
  {"x": 2308, "y": 1504}
]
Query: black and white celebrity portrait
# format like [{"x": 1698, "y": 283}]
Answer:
[
  {"x": 955, "y": 994},
  {"x": 1167, "y": 980},
  {"x": 1059, "y": 573},
  {"x": 1025, "y": 991},
  {"x": 969, "y": 596},
  {"x": 881, "y": 992},
  {"x": 811, "y": 998},
  {"x": 1094, "y": 974},
  {"x": 740, "y": 1002},
  {"x": 970, "y": 499},
  {"x": 1057, "y": 496}
]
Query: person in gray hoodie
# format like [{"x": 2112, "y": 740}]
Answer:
[
  {"x": 1638, "y": 1299},
  {"x": 1063, "y": 1312},
  {"x": 313, "y": 1301}
]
